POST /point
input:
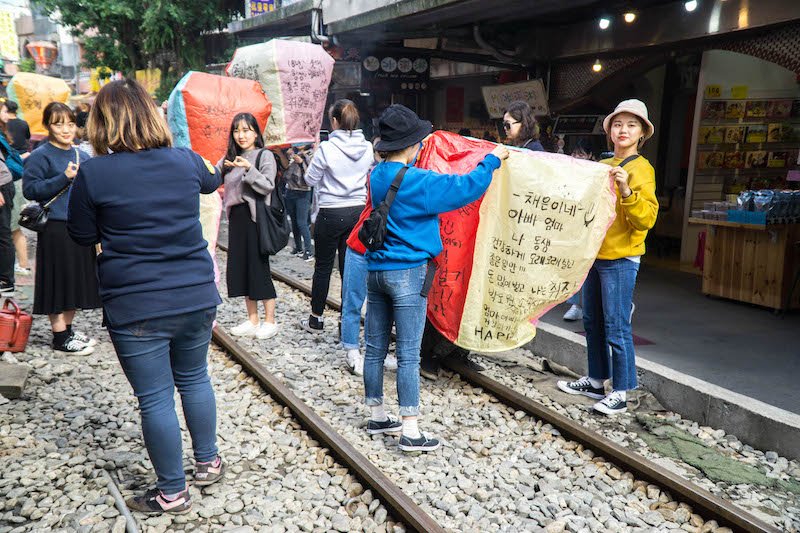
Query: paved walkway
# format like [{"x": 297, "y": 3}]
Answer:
[{"x": 740, "y": 347}]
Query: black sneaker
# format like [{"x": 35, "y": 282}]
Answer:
[
  {"x": 429, "y": 368},
  {"x": 422, "y": 444},
  {"x": 312, "y": 324},
  {"x": 73, "y": 346},
  {"x": 613, "y": 404},
  {"x": 82, "y": 337},
  {"x": 390, "y": 425},
  {"x": 6, "y": 289},
  {"x": 153, "y": 502},
  {"x": 582, "y": 386},
  {"x": 207, "y": 474},
  {"x": 307, "y": 257}
]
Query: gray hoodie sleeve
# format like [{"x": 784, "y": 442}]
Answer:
[
  {"x": 316, "y": 169},
  {"x": 262, "y": 179}
]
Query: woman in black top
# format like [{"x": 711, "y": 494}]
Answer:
[{"x": 521, "y": 127}]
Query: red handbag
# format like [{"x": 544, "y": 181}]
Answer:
[{"x": 15, "y": 327}]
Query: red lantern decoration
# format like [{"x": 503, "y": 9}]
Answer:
[{"x": 44, "y": 53}]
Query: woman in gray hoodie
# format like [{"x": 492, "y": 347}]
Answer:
[{"x": 338, "y": 171}]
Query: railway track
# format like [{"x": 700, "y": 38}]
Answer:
[
  {"x": 397, "y": 501},
  {"x": 710, "y": 506}
]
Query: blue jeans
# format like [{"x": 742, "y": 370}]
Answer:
[
  {"x": 607, "y": 300},
  {"x": 298, "y": 204},
  {"x": 158, "y": 355},
  {"x": 577, "y": 298},
  {"x": 393, "y": 297},
  {"x": 354, "y": 292}
]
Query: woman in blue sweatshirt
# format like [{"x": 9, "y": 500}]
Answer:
[
  {"x": 66, "y": 272},
  {"x": 397, "y": 272},
  {"x": 140, "y": 201}
]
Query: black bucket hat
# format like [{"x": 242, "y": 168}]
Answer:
[{"x": 400, "y": 128}]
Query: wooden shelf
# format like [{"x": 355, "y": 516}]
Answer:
[
  {"x": 766, "y": 146},
  {"x": 747, "y": 121},
  {"x": 726, "y": 224}
]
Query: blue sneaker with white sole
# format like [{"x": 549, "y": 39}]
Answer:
[
  {"x": 390, "y": 425},
  {"x": 421, "y": 444}
]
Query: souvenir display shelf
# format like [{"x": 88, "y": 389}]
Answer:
[{"x": 745, "y": 144}]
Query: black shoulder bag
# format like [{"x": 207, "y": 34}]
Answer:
[
  {"x": 34, "y": 216},
  {"x": 373, "y": 230},
  {"x": 271, "y": 222}
]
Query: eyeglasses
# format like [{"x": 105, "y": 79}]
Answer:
[{"x": 507, "y": 125}]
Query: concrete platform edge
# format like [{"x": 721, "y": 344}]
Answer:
[{"x": 756, "y": 423}]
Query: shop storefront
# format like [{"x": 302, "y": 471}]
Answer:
[{"x": 742, "y": 215}]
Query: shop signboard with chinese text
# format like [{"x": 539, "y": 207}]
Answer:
[
  {"x": 400, "y": 72},
  {"x": 498, "y": 97},
  {"x": 257, "y": 7}
]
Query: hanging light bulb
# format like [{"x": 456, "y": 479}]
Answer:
[
  {"x": 597, "y": 67},
  {"x": 629, "y": 17},
  {"x": 690, "y": 6},
  {"x": 604, "y": 23}
]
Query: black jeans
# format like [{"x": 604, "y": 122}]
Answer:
[
  {"x": 331, "y": 230},
  {"x": 6, "y": 244}
]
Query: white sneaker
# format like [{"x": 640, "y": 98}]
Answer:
[
  {"x": 574, "y": 313},
  {"x": 245, "y": 329},
  {"x": 355, "y": 361},
  {"x": 358, "y": 369},
  {"x": 390, "y": 362},
  {"x": 22, "y": 271},
  {"x": 267, "y": 330}
]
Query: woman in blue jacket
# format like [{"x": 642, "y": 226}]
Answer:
[
  {"x": 156, "y": 279},
  {"x": 66, "y": 272},
  {"x": 398, "y": 271}
]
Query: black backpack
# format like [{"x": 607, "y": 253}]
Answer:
[{"x": 373, "y": 230}]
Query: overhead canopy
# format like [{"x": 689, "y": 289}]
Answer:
[{"x": 515, "y": 32}]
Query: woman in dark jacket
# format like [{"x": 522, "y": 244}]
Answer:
[
  {"x": 156, "y": 279},
  {"x": 66, "y": 272},
  {"x": 521, "y": 127}
]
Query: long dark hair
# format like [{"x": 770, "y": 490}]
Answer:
[
  {"x": 233, "y": 147},
  {"x": 346, "y": 114},
  {"x": 529, "y": 128}
]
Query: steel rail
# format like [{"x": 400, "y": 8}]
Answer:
[
  {"x": 710, "y": 505},
  {"x": 393, "y": 496}
]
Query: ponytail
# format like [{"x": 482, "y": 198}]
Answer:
[{"x": 346, "y": 114}]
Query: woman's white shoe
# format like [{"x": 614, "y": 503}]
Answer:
[
  {"x": 267, "y": 330},
  {"x": 245, "y": 329}
]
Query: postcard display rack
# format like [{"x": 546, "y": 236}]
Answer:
[{"x": 747, "y": 144}]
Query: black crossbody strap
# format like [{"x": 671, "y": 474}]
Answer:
[
  {"x": 394, "y": 187},
  {"x": 57, "y": 196},
  {"x": 629, "y": 159}
]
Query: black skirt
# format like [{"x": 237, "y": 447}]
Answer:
[
  {"x": 66, "y": 273},
  {"x": 247, "y": 273}
]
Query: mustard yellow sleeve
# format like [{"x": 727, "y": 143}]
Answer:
[{"x": 641, "y": 207}]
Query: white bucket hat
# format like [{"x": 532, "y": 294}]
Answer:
[{"x": 634, "y": 107}]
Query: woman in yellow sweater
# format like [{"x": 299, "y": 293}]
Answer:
[{"x": 608, "y": 290}]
